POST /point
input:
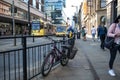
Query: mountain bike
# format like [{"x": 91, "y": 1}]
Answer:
[{"x": 54, "y": 55}]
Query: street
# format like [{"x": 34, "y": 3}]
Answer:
[
  {"x": 9, "y": 43},
  {"x": 90, "y": 63},
  {"x": 80, "y": 67},
  {"x": 22, "y": 54}
]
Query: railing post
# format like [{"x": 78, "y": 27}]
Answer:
[
  {"x": 24, "y": 59},
  {"x": 33, "y": 39},
  {"x": 63, "y": 39}
]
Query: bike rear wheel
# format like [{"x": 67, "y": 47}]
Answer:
[
  {"x": 47, "y": 64},
  {"x": 64, "y": 59}
]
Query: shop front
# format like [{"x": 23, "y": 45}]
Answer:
[{"x": 6, "y": 27}]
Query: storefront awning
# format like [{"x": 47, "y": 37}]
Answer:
[{"x": 8, "y": 19}]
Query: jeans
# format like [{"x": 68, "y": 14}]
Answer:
[
  {"x": 102, "y": 39},
  {"x": 113, "y": 53}
]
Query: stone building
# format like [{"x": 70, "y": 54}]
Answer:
[
  {"x": 20, "y": 15},
  {"x": 94, "y": 12},
  {"x": 113, "y": 10}
]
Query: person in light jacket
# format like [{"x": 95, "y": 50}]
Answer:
[
  {"x": 114, "y": 31},
  {"x": 93, "y": 32}
]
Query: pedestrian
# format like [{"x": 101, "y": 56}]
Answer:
[
  {"x": 71, "y": 35},
  {"x": 70, "y": 31},
  {"x": 102, "y": 32},
  {"x": 114, "y": 31},
  {"x": 78, "y": 34},
  {"x": 83, "y": 31},
  {"x": 93, "y": 32},
  {"x": 98, "y": 37}
]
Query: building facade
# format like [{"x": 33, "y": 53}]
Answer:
[
  {"x": 94, "y": 13},
  {"x": 55, "y": 10},
  {"x": 20, "y": 15},
  {"x": 113, "y": 10}
]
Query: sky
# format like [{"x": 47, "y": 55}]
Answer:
[{"x": 71, "y": 10}]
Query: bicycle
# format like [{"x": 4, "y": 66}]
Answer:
[{"x": 55, "y": 54}]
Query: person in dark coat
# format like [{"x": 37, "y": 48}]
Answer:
[{"x": 102, "y": 32}]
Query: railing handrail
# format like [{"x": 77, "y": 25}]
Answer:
[
  {"x": 20, "y": 36},
  {"x": 24, "y": 49}
]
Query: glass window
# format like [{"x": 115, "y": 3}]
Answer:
[
  {"x": 103, "y": 19},
  {"x": 26, "y": 1},
  {"x": 34, "y": 3},
  {"x": 102, "y": 3},
  {"x": 60, "y": 29},
  {"x": 35, "y": 26}
]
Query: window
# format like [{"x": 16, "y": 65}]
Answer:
[
  {"x": 102, "y": 3},
  {"x": 34, "y": 3},
  {"x": 26, "y": 1},
  {"x": 103, "y": 19},
  {"x": 90, "y": 3}
]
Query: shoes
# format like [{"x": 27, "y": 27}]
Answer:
[
  {"x": 111, "y": 72},
  {"x": 102, "y": 47}
]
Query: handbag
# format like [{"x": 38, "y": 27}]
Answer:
[{"x": 109, "y": 41}]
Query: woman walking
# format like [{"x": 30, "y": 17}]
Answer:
[{"x": 114, "y": 31}]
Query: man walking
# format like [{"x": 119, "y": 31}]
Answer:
[{"x": 102, "y": 32}]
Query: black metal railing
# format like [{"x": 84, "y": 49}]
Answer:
[{"x": 23, "y": 63}]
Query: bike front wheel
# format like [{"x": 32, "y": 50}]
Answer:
[{"x": 47, "y": 64}]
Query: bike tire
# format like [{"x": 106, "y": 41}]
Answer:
[
  {"x": 45, "y": 71},
  {"x": 64, "y": 59}
]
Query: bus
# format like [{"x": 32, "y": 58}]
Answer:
[
  {"x": 60, "y": 30},
  {"x": 42, "y": 28},
  {"x": 37, "y": 28}
]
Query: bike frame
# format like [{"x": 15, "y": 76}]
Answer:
[{"x": 55, "y": 50}]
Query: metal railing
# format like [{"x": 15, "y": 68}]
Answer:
[{"x": 23, "y": 63}]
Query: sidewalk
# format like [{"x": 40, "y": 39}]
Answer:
[{"x": 79, "y": 68}]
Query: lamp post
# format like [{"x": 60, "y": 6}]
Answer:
[
  {"x": 13, "y": 21},
  {"x": 76, "y": 24},
  {"x": 78, "y": 31},
  {"x": 29, "y": 27}
]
